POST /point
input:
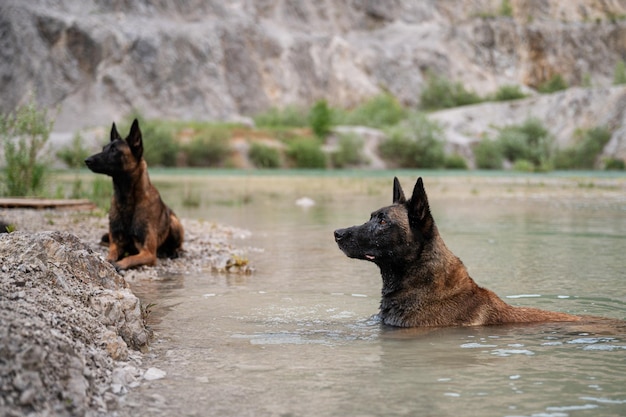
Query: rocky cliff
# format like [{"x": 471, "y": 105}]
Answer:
[{"x": 95, "y": 60}]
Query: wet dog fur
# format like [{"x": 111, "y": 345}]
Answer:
[
  {"x": 424, "y": 283},
  {"x": 141, "y": 226}
]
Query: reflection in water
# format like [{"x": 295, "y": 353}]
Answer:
[{"x": 298, "y": 336}]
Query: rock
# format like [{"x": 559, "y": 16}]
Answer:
[
  {"x": 154, "y": 373},
  {"x": 562, "y": 113},
  {"x": 210, "y": 60},
  {"x": 57, "y": 348}
]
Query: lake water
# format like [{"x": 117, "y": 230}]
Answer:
[{"x": 297, "y": 337}]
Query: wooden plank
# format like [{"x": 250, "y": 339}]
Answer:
[{"x": 47, "y": 203}]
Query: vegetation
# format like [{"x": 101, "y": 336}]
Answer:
[
  {"x": 349, "y": 152},
  {"x": 289, "y": 116},
  {"x": 506, "y": 9},
  {"x": 321, "y": 119},
  {"x": 415, "y": 143},
  {"x": 24, "y": 135},
  {"x": 74, "y": 154},
  {"x": 209, "y": 147},
  {"x": 614, "y": 164},
  {"x": 509, "y": 92},
  {"x": 264, "y": 156},
  {"x": 530, "y": 142},
  {"x": 455, "y": 161},
  {"x": 588, "y": 146},
  {"x": 619, "y": 74},
  {"x": 306, "y": 153},
  {"x": 554, "y": 84},
  {"x": 380, "y": 111},
  {"x": 488, "y": 155},
  {"x": 528, "y": 147},
  {"x": 440, "y": 93}
]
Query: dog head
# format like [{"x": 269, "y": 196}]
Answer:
[
  {"x": 119, "y": 155},
  {"x": 395, "y": 232}
]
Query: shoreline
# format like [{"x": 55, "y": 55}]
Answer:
[{"x": 73, "y": 333}]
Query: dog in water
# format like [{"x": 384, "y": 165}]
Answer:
[
  {"x": 141, "y": 226},
  {"x": 424, "y": 283}
]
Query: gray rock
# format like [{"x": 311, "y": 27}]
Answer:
[
  {"x": 57, "y": 349},
  {"x": 210, "y": 60}
]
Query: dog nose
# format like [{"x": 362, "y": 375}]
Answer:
[
  {"x": 339, "y": 234},
  {"x": 88, "y": 161}
]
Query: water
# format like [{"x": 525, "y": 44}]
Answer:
[{"x": 297, "y": 337}]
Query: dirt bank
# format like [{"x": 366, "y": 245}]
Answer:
[{"x": 71, "y": 330}]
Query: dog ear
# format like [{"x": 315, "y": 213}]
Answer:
[
  {"x": 398, "y": 194},
  {"x": 114, "y": 134},
  {"x": 134, "y": 140},
  {"x": 420, "y": 218}
]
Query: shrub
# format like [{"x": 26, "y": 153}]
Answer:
[
  {"x": 415, "y": 143},
  {"x": 554, "y": 84},
  {"x": 306, "y": 153},
  {"x": 619, "y": 74},
  {"x": 440, "y": 93},
  {"x": 587, "y": 147},
  {"x": 488, "y": 154},
  {"x": 523, "y": 165},
  {"x": 321, "y": 119},
  {"x": 380, "y": 111},
  {"x": 263, "y": 156},
  {"x": 24, "y": 135},
  {"x": 529, "y": 141},
  {"x": 506, "y": 9},
  {"x": 74, "y": 154},
  {"x": 209, "y": 147},
  {"x": 159, "y": 146},
  {"x": 350, "y": 151},
  {"x": 455, "y": 161},
  {"x": 614, "y": 164},
  {"x": 509, "y": 92},
  {"x": 289, "y": 116}
]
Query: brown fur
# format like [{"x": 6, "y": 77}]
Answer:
[
  {"x": 424, "y": 283},
  {"x": 141, "y": 226}
]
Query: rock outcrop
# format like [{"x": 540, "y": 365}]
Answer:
[
  {"x": 67, "y": 321},
  {"x": 210, "y": 60}
]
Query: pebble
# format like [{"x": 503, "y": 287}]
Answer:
[{"x": 153, "y": 374}]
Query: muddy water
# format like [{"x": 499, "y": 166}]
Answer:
[{"x": 297, "y": 338}]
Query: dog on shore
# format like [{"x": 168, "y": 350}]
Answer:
[
  {"x": 424, "y": 283},
  {"x": 141, "y": 226}
]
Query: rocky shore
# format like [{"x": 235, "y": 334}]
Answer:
[{"x": 71, "y": 330}]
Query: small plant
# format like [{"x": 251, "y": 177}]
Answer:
[
  {"x": 523, "y": 165},
  {"x": 614, "y": 164},
  {"x": 74, "y": 154},
  {"x": 24, "y": 135},
  {"x": 209, "y": 147},
  {"x": 509, "y": 92},
  {"x": 380, "y": 111},
  {"x": 455, "y": 161},
  {"x": 588, "y": 145},
  {"x": 619, "y": 74},
  {"x": 321, "y": 119},
  {"x": 554, "y": 84},
  {"x": 530, "y": 141},
  {"x": 349, "y": 152},
  {"x": 306, "y": 153},
  {"x": 440, "y": 93},
  {"x": 506, "y": 9},
  {"x": 415, "y": 143},
  {"x": 289, "y": 116},
  {"x": 263, "y": 156},
  {"x": 488, "y": 154}
]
